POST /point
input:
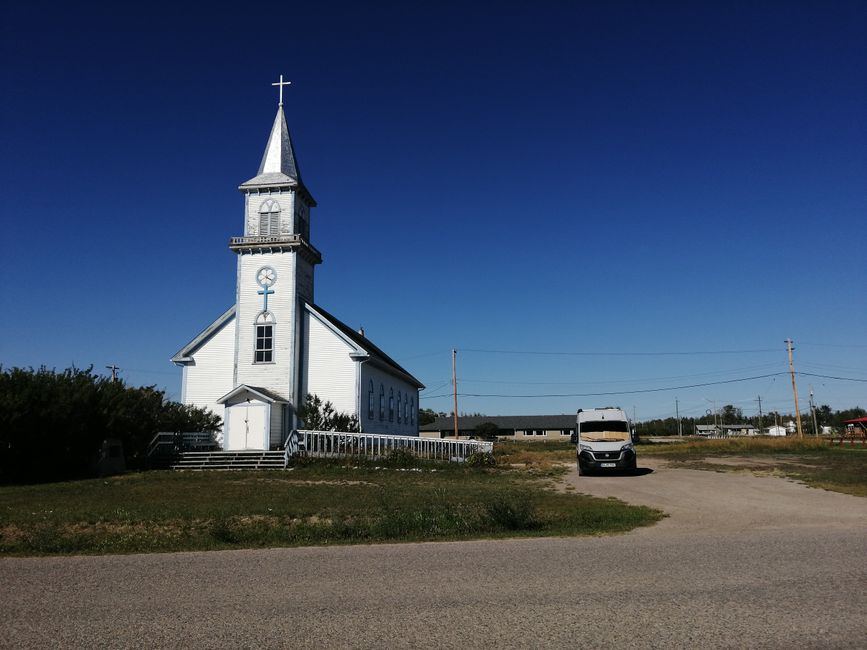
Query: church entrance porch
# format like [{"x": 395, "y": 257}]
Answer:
[{"x": 253, "y": 418}]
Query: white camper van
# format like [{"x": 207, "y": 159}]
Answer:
[{"x": 604, "y": 439}]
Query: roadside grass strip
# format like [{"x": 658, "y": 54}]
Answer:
[
  {"x": 812, "y": 461},
  {"x": 316, "y": 503}
]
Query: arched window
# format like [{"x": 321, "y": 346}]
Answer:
[
  {"x": 391, "y": 404},
  {"x": 381, "y": 402},
  {"x": 412, "y": 412},
  {"x": 269, "y": 218},
  {"x": 370, "y": 401},
  {"x": 398, "y": 407},
  {"x": 406, "y": 410},
  {"x": 264, "y": 338}
]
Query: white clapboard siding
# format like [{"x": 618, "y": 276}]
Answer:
[
  {"x": 274, "y": 376},
  {"x": 331, "y": 373},
  {"x": 388, "y": 381},
  {"x": 209, "y": 377}
]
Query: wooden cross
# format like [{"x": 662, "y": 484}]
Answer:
[
  {"x": 280, "y": 84},
  {"x": 265, "y": 292}
]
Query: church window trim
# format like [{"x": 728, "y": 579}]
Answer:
[
  {"x": 269, "y": 218},
  {"x": 391, "y": 404},
  {"x": 263, "y": 338},
  {"x": 381, "y": 402},
  {"x": 398, "y": 407},
  {"x": 370, "y": 401},
  {"x": 412, "y": 412}
]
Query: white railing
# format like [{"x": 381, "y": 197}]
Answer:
[
  {"x": 265, "y": 239},
  {"x": 336, "y": 444}
]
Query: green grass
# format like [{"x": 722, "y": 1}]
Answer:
[
  {"x": 319, "y": 503},
  {"x": 814, "y": 461}
]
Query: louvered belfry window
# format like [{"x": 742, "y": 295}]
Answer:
[{"x": 269, "y": 219}]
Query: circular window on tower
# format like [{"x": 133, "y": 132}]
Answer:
[{"x": 266, "y": 276}]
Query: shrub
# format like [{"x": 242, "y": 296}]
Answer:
[
  {"x": 401, "y": 458},
  {"x": 53, "y": 423},
  {"x": 512, "y": 513},
  {"x": 481, "y": 459}
]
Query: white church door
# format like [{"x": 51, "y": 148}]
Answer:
[{"x": 247, "y": 426}]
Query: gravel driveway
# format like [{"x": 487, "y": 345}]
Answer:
[{"x": 742, "y": 562}]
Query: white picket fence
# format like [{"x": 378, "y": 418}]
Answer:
[{"x": 336, "y": 444}]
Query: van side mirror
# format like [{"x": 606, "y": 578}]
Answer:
[{"x": 573, "y": 438}]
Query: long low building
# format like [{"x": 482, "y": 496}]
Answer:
[{"x": 520, "y": 427}]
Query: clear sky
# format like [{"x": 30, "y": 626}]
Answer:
[{"x": 534, "y": 177}]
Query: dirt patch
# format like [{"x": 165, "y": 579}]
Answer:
[
  {"x": 753, "y": 462},
  {"x": 283, "y": 481}
]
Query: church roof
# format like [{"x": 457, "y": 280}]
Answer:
[
  {"x": 364, "y": 343},
  {"x": 263, "y": 393},
  {"x": 279, "y": 166},
  {"x": 184, "y": 353}
]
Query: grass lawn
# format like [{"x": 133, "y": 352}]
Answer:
[
  {"x": 813, "y": 461},
  {"x": 314, "y": 504}
]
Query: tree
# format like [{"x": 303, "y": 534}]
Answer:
[
  {"x": 486, "y": 431},
  {"x": 321, "y": 416},
  {"x": 53, "y": 423},
  {"x": 426, "y": 416},
  {"x": 730, "y": 414}
]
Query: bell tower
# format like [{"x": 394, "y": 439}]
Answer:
[{"x": 275, "y": 269}]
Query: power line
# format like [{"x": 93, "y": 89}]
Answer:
[
  {"x": 810, "y": 374},
  {"x": 618, "y": 354},
  {"x": 627, "y": 392},
  {"x": 835, "y": 345},
  {"x": 765, "y": 366}
]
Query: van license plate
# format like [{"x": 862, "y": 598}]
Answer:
[{"x": 608, "y": 464}]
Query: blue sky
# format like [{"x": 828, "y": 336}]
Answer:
[{"x": 599, "y": 177}]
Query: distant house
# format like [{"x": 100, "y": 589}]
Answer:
[
  {"x": 775, "y": 430},
  {"x": 518, "y": 427},
  {"x": 707, "y": 430},
  {"x": 725, "y": 430}
]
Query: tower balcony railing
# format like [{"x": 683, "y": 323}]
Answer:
[
  {"x": 266, "y": 239},
  {"x": 254, "y": 243}
]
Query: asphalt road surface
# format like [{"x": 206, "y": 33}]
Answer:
[{"x": 742, "y": 562}]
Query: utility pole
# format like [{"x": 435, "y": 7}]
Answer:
[
  {"x": 455, "y": 384},
  {"x": 114, "y": 370},
  {"x": 677, "y": 412},
  {"x": 813, "y": 412},
  {"x": 794, "y": 388},
  {"x": 760, "y": 414}
]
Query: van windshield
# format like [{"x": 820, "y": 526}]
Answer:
[{"x": 604, "y": 425}]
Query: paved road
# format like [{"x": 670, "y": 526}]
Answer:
[{"x": 742, "y": 562}]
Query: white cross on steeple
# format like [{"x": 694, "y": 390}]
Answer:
[{"x": 280, "y": 84}]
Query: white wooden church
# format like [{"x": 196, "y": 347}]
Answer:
[{"x": 255, "y": 363}]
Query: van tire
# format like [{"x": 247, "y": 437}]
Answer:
[{"x": 581, "y": 470}]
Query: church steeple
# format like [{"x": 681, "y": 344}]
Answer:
[
  {"x": 279, "y": 156},
  {"x": 279, "y": 167}
]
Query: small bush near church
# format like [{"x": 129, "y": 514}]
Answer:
[
  {"x": 401, "y": 458},
  {"x": 53, "y": 423},
  {"x": 481, "y": 459}
]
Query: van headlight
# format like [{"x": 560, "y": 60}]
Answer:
[
  {"x": 583, "y": 447},
  {"x": 627, "y": 447}
]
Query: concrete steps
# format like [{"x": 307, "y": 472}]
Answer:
[{"x": 198, "y": 460}]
